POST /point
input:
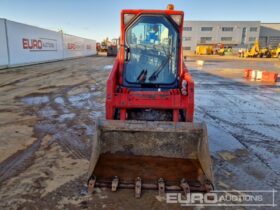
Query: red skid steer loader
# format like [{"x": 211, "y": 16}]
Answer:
[{"x": 149, "y": 140}]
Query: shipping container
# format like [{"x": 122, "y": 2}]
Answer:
[
  {"x": 29, "y": 44},
  {"x": 4, "y": 60},
  {"x": 22, "y": 44},
  {"x": 77, "y": 47}
]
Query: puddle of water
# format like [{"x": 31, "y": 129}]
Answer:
[
  {"x": 97, "y": 93},
  {"x": 95, "y": 114},
  {"x": 80, "y": 100},
  {"x": 108, "y": 67},
  {"x": 80, "y": 97},
  {"x": 64, "y": 117},
  {"x": 65, "y": 110},
  {"x": 35, "y": 100},
  {"x": 59, "y": 100},
  {"x": 220, "y": 140},
  {"x": 86, "y": 100},
  {"x": 47, "y": 112},
  {"x": 98, "y": 106}
]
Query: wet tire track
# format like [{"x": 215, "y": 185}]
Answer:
[
  {"x": 232, "y": 94},
  {"x": 18, "y": 162},
  {"x": 16, "y": 82},
  {"x": 246, "y": 132},
  {"x": 240, "y": 126}
]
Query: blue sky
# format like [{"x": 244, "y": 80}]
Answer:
[{"x": 97, "y": 19}]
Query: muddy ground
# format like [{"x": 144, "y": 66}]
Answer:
[{"x": 47, "y": 115}]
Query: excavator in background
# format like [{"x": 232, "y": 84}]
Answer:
[
  {"x": 113, "y": 48},
  {"x": 275, "y": 53},
  {"x": 264, "y": 53},
  {"x": 256, "y": 51},
  {"x": 104, "y": 45},
  {"x": 148, "y": 139}
]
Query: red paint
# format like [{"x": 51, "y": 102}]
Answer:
[
  {"x": 98, "y": 46},
  {"x": 32, "y": 43},
  {"x": 124, "y": 99},
  {"x": 269, "y": 76},
  {"x": 71, "y": 46},
  {"x": 248, "y": 73}
]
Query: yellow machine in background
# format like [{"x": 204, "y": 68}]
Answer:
[
  {"x": 104, "y": 45},
  {"x": 275, "y": 53},
  {"x": 253, "y": 52},
  {"x": 225, "y": 51},
  {"x": 204, "y": 50},
  {"x": 256, "y": 51},
  {"x": 265, "y": 53}
]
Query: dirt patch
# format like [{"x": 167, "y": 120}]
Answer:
[
  {"x": 14, "y": 138},
  {"x": 51, "y": 169},
  {"x": 53, "y": 107}
]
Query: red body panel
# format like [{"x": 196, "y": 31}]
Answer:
[{"x": 123, "y": 99}]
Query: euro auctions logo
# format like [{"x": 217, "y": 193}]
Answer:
[
  {"x": 75, "y": 46},
  {"x": 256, "y": 198},
  {"x": 40, "y": 44}
]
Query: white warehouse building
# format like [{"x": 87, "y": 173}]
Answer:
[{"x": 230, "y": 33}]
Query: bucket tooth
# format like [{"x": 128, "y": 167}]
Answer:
[
  {"x": 91, "y": 184},
  {"x": 115, "y": 184},
  {"x": 185, "y": 186},
  {"x": 161, "y": 187},
  {"x": 138, "y": 186},
  {"x": 208, "y": 187}
]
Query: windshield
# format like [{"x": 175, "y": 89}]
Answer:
[{"x": 152, "y": 43}]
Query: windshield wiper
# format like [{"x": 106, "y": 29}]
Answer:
[
  {"x": 142, "y": 76},
  {"x": 154, "y": 76}
]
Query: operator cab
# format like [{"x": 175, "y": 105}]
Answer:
[{"x": 151, "y": 55}]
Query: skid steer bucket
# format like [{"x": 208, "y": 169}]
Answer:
[{"x": 150, "y": 155}]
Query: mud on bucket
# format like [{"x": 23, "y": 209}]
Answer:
[{"x": 151, "y": 150}]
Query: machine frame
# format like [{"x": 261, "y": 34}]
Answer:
[{"x": 122, "y": 98}]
